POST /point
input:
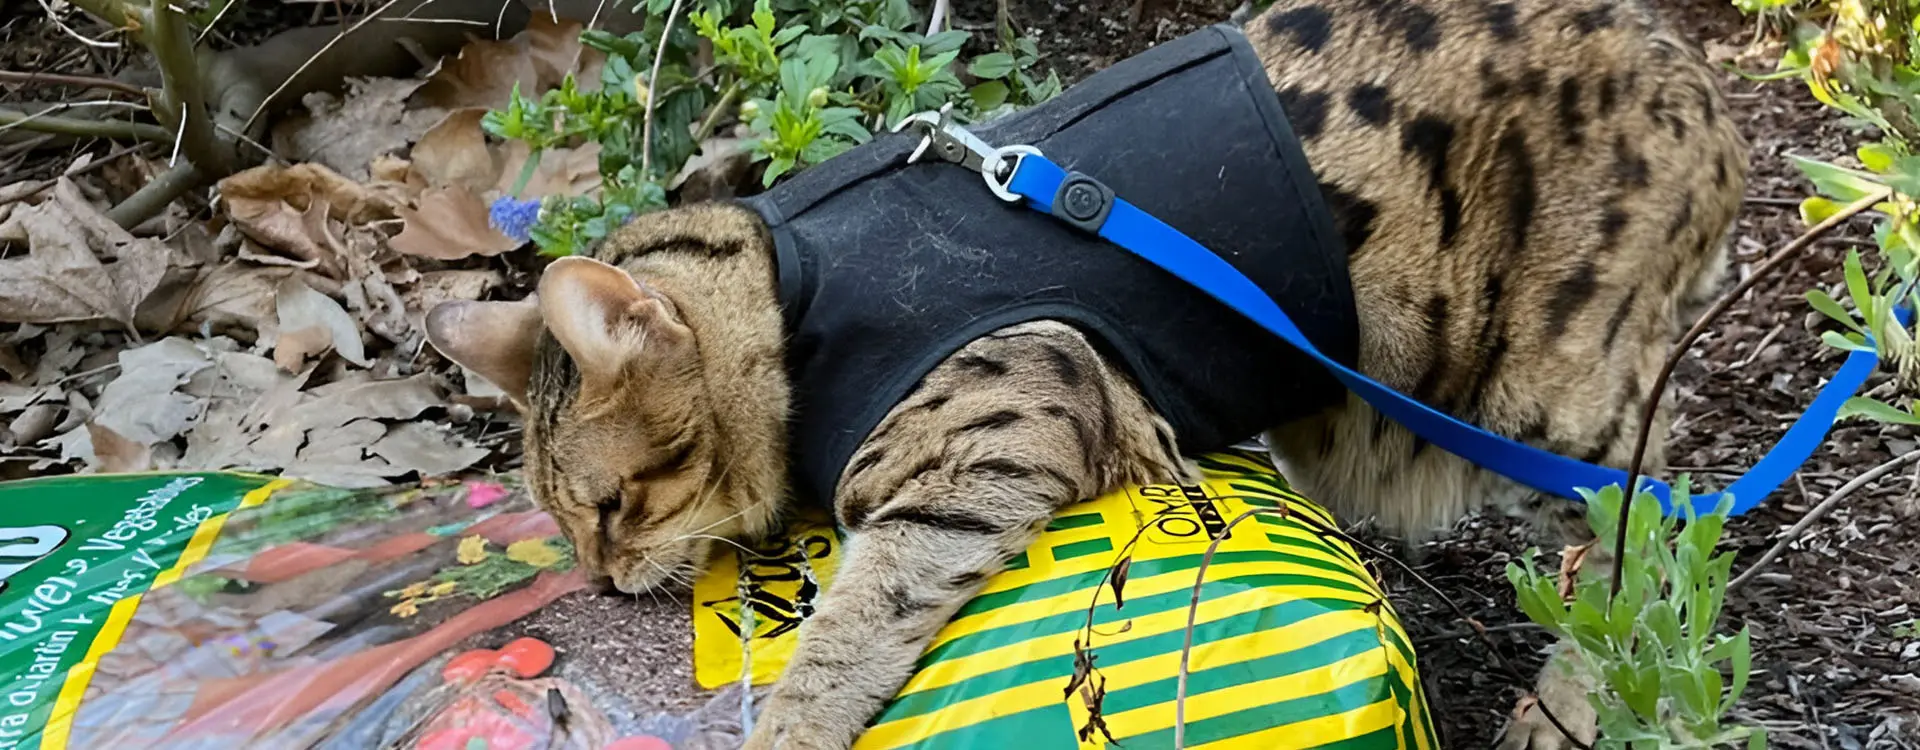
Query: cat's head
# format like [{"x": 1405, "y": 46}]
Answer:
[{"x": 641, "y": 437}]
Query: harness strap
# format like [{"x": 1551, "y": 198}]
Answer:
[{"x": 1089, "y": 205}]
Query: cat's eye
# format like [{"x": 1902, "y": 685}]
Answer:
[{"x": 674, "y": 463}]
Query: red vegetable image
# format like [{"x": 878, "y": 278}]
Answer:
[
  {"x": 526, "y": 657},
  {"x": 470, "y": 665}
]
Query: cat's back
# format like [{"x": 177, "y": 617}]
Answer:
[{"x": 1533, "y": 193}]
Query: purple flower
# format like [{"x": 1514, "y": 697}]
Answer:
[{"x": 514, "y": 218}]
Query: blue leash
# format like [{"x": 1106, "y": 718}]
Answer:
[
  {"x": 1097, "y": 210},
  {"x": 1021, "y": 173}
]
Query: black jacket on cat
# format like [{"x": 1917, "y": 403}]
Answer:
[{"x": 886, "y": 268}]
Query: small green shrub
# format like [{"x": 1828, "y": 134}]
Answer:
[
  {"x": 809, "y": 78},
  {"x": 1653, "y": 647}
]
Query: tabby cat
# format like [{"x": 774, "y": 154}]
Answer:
[{"x": 1534, "y": 194}]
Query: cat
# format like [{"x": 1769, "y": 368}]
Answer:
[{"x": 1534, "y": 194}]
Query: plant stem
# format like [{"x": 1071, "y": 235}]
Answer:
[
  {"x": 653, "y": 78},
  {"x": 153, "y": 197},
  {"x": 1679, "y": 351},
  {"x": 62, "y": 79},
  {"x": 1820, "y": 511},
  {"x": 113, "y": 13},
  {"x": 171, "y": 41},
  {"x": 719, "y": 110},
  {"x": 74, "y": 126}
]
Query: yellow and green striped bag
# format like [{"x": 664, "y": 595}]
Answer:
[{"x": 1295, "y": 645}]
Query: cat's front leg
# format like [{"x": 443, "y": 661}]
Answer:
[
  {"x": 959, "y": 477},
  {"x": 899, "y": 584}
]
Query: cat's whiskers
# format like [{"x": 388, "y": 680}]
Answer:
[{"x": 743, "y": 549}]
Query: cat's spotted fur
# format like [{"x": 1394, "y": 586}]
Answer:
[{"x": 1534, "y": 193}]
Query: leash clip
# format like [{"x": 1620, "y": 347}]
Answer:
[{"x": 956, "y": 144}]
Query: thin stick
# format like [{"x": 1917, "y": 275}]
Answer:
[
  {"x": 377, "y": 12},
  {"x": 43, "y": 121},
  {"x": 653, "y": 84},
  {"x": 82, "y": 38},
  {"x": 937, "y": 18},
  {"x": 1679, "y": 351},
  {"x": 64, "y": 79},
  {"x": 1820, "y": 511}
]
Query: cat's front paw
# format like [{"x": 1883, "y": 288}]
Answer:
[
  {"x": 1565, "y": 694},
  {"x": 787, "y": 725}
]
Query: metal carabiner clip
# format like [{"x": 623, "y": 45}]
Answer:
[{"x": 955, "y": 144}]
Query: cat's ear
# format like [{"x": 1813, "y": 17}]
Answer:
[
  {"x": 493, "y": 339},
  {"x": 603, "y": 317}
]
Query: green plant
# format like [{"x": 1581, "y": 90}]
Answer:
[
  {"x": 808, "y": 78},
  {"x": 1857, "y": 57},
  {"x": 1653, "y": 646}
]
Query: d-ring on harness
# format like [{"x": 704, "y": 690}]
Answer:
[{"x": 1022, "y": 173}]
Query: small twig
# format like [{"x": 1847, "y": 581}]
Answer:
[
  {"x": 1200, "y": 578},
  {"x": 937, "y": 18},
  {"x": 1819, "y": 511},
  {"x": 82, "y": 38},
  {"x": 1679, "y": 351},
  {"x": 64, "y": 79},
  {"x": 653, "y": 81},
  {"x": 719, "y": 110},
  {"x": 295, "y": 75},
  {"x": 73, "y": 172},
  {"x": 216, "y": 21},
  {"x": 154, "y": 196},
  {"x": 44, "y": 121}
]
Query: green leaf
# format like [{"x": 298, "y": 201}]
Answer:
[
  {"x": 1757, "y": 740},
  {"x": 1905, "y": 175},
  {"x": 989, "y": 95},
  {"x": 779, "y": 166},
  {"x": 1861, "y": 406},
  {"x": 1831, "y": 308},
  {"x": 1815, "y": 209},
  {"x": 1877, "y": 157},
  {"x": 943, "y": 42},
  {"x": 1858, "y": 288},
  {"x": 1844, "y": 342},
  {"x": 993, "y": 65},
  {"x": 1838, "y": 183}
]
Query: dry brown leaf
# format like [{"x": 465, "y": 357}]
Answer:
[
  {"x": 144, "y": 403},
  {"x": 237, "y": 296},
  {"x": 348, "y": 133},
  {"x": 338, "y": 403},
  {"x": 455, "y": 153},
  {"x": 713, "y": 172},
  {"x": 336, "y": 456},
  {"x": 113, "y": 454},
  {"x": 62, "y": 278},
  {"x": 483, "y": 74},
  {"x": 561, "y": 171},
  {"x": 429, "y": 449},
  {"x": 300, "y": 184},
  {"x": 451, "y": 223},
  {"x": 300, "y": 309},
  {"x": 556, "y": 51}
]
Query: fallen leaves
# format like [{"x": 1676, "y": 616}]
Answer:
[
  {"x": 62, "y": 278},
  {"x": 310, "y": 324},
  {"x": 285, "y": 334}
]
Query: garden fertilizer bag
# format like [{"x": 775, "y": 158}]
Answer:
[
  {"x": 1295, "y": 645},
  {"x": 218, "y": 609}
]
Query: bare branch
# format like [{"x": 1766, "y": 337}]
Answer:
[
  {"x": 62, "y": 79},
  {"x": 171, "y": 41},
  {"x": 153, "y": 197},
  {"x": 653, "y": 84},
  {"x": 42, "y": 122},
  {"x": 1679, "y": 351},
  {"x": 1820, "y": 511},
  {"x": 111, "y": 12}
]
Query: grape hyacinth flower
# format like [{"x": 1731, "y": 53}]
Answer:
[{"x": 514, "y": 218}]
